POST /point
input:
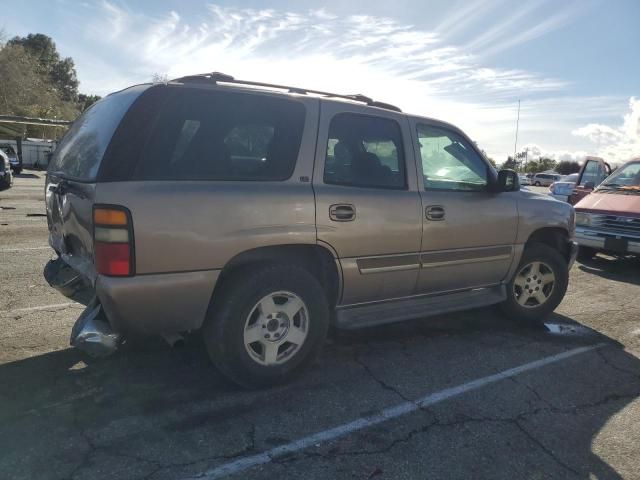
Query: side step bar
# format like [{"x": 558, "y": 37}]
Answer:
[{"x": 359, "y": 316}]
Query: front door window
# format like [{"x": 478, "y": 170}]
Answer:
[{"x": 449, "y": 162}]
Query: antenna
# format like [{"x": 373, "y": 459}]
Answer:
[{"x": 515, "y": 146}]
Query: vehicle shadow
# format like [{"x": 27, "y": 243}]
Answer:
[
  {"x": 26, "y": 175},
  {"x": 56, "y": 408},
  {"x": 620, "y": 269}
]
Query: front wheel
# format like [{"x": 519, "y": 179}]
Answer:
[
  {"x": 537, "y": 184},
  {"x": 265, "y": 326},
  {"x": 538, "y": 286}
]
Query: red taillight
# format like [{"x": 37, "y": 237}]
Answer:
[
  {"x": 113, "y": 241},
  {"x": 113, "y": 259}
]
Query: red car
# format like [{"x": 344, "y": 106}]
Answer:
[{"x": 609, "y": 218}]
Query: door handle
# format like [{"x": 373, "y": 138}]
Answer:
[
  {"x": 434, "y": 212},
  {"x": 342, "y": 212}
]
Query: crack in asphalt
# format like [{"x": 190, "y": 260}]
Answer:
[
  {"x": 249, "y": 448},
  {"x": 357, "y": 359},
  {"x": 428, "y": 428},
  {"x": 616, "y": 367}
]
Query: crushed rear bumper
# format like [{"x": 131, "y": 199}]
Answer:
[
  {"x": 149, "y": 304},
  {"x": 92, "y": 332}
]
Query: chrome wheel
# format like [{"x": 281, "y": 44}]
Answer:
[
  {"x": 276, "y": 328},
  {"x": 534, "y": 284}
]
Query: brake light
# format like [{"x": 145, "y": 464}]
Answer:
[{"x": 113, "y": 241}]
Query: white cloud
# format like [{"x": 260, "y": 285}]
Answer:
[
  {"x": 617, "y": 143},
  {"x": 229, "y": 38},
  {"x": 535, "y": 151},
  {"x": 420, "y": 71}
]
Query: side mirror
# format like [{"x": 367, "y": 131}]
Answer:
[
  {"x": 589, "y": 185},
  {"x": 508, "y": 181}
]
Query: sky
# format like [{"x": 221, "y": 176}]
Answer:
[{"x": 573, "y": 64}]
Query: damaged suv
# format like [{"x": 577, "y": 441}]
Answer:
[{"x": 262, "y": 214}]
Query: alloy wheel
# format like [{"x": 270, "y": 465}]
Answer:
[
  {"x": 534, "y": 284},
  {"x": 276, "y": 328}
]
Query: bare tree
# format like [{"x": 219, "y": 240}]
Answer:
[{"x": 159, "y": 78}]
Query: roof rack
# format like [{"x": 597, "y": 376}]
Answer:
[{"x": 215, "y": 77}]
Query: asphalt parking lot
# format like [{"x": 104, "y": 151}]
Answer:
[{"x": 469, "y": 395}]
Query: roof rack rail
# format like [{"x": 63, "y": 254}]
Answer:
[{"x": 215, "y": 77}]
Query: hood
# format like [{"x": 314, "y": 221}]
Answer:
[
  {"x": 541, "y": 196},
  {"x": 613, "y": 203}
]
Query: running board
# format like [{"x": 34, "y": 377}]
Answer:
[{"x": 352, "y": 317}]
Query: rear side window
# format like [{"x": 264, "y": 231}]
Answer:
[
  {"x": 80, "y": 152},
  {"x": 364, "y": 151},
  {"x": 212, "y": 135}
]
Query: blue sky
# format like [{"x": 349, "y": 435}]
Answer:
[{"x": 572, "y": 63}]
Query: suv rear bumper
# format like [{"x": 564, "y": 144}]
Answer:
[
  {"x": 587, "y": 237},
  {"x": 157, "y": 304},
  {"x": 147, "y": 304}
]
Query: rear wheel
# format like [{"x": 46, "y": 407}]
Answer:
[
  {"x": 538, "y": 286},
  {"x": 266, "y": 326}
]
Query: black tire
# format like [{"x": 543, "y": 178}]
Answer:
[
  {"x": 17, "y": 171},
  {"x": 7, "y": 182},
  {"x": 537, "y": 184},
  {"x": 535, "y": 315},
  {"x": 231, "y": 306},
  {"x": 586, "y": 253}
]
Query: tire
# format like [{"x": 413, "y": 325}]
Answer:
[
  {"x": 549, "y": 261},
  {"x": 586, "y": 253},
  {"x": 7, "y": 182},
  {"x": 17, "y": 171},
  {"x": 537, "y": 184},
  {"x": 238, "y": 308}
]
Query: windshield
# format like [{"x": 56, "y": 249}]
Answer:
[{"x": 625, "y": 178}]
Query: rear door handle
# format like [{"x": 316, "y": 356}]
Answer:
[
  {"x": 342, "y": 212},
  {"x": 434, "y": 212}
]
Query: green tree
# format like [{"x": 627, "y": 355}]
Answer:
[
  {"x": 26, "y": 92},
  {"x": 510, "y": 164},
  {"x": 547, "y": 164},
  {"x": 566, "y": 167},
  {"x": 61, "y": 71},
  {"x": 85, "y": 101}
]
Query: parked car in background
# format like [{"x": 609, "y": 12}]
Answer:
[
  {"x": 16, "y": 165},
  {"x": 6, "y": 177},
  {"x": 608, "y": 220},
  {"x": 524, "y": 180},
  {"x": 593, "y": 172},
  {"x": 563, "y": 188},
  {"x": 545, "y": 179},
  {"x": 261, "y": 214}
]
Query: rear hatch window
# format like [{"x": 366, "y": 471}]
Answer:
[
  {"x": 200, "y": 134},
  {"x": 80, "y": 152}
]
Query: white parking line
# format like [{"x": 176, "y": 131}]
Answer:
[
  {"x": 41, "y": 307},
  {"x": 245, "y": 463},
  {"x": 24, "y": 249}
]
